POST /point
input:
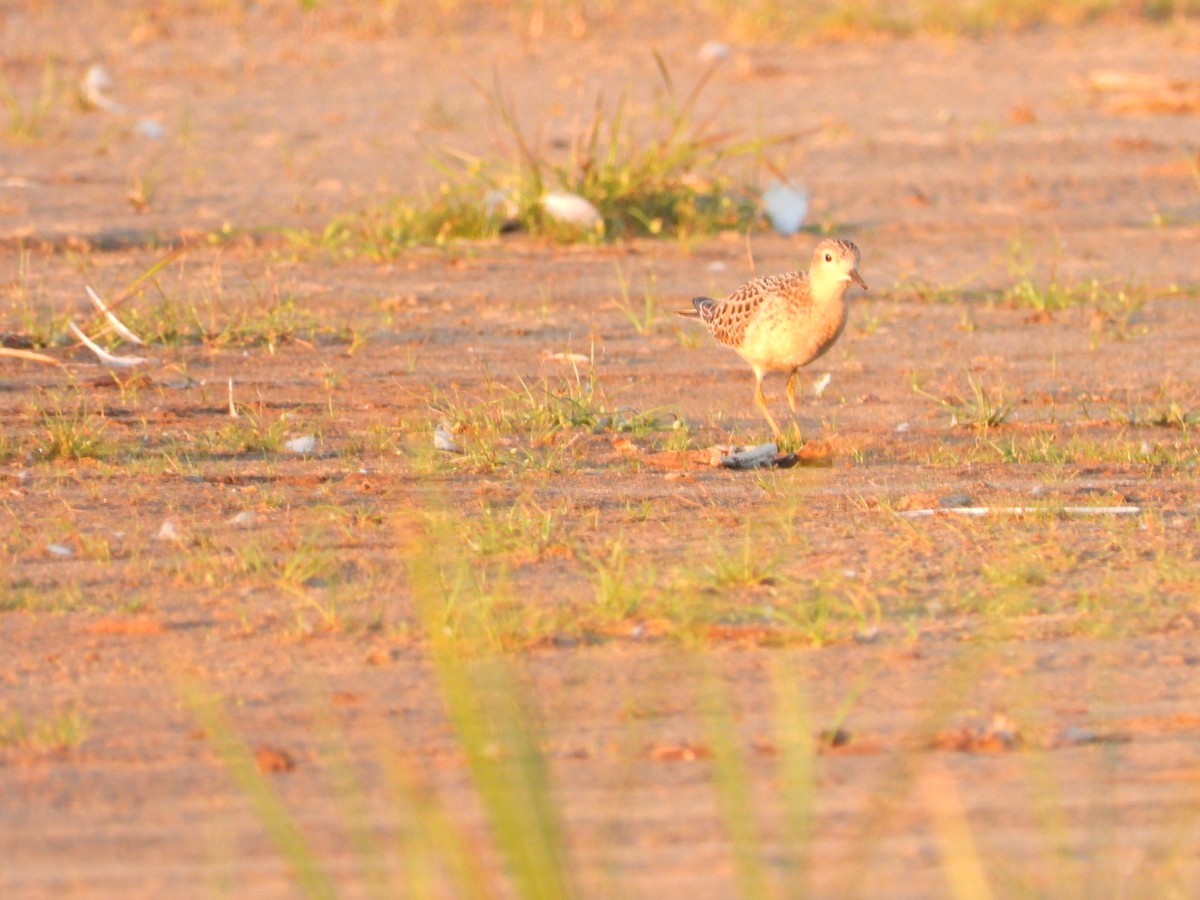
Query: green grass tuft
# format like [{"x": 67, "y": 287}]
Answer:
[{"x": 674, "y": 182}]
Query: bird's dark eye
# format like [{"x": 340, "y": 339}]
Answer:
[{"x": 828, "y": 257}]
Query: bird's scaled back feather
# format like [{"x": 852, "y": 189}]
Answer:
[{"x": 728, "y": 318}]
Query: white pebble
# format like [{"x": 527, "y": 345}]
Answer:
[
  {"x": 443, "y": 439},
  {"x": 712, "y": 51},
  {"x": 168, "y": 532},
  {"x": 150, "y": 128},
  {"x": 306, "y": 443},
  {"x": 571, "y": 209}
]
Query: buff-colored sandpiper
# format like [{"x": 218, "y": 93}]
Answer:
[{"x": 779, "y": 323}]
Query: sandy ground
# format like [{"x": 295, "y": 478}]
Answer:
[{"x": 1053, "y": 747}]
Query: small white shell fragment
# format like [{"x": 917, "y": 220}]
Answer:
[
  {"x": 150, "y": 128},
  {"x": 713, "y": 51},
  {"x": 116, "y": 323},
  {"x": 168, "y": 532},
  {"x": 306, "y": 443},
  {"x": 785, "y": 206},
  {"x": 114, "y": 362},
  {"x": 95, "y": 82},
  {"x": 821, "y": 383},
  {"x": 571, "y": 209},
  {"x": 59, "y": 550},
  {"x": 443, "y": 439}
]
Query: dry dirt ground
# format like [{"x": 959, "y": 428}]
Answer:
[{"x": 1014, "y": 697}]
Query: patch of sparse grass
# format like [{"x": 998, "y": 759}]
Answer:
[
  {"x": 673, "y": 184},
  {"x": 522, "y": 528},
  {"x": 453, "y": 211},
  {"x": 744, "y": 563},
  {"x": 65, "y": 730},
  {"x": 622, "y": 585},
  {"x": 1169, "y": 408},
  {"x": 1061, "y": 448},
  {"x": 762, "y": 19},
  {"x": 34, "y": 321},
  {"x": 251, "y": 432},
  {"x": 677, "y": 437},
  {"x": 1053, "y": 295},
  {"x": 27, "y": 122},
  {"x": 1118, "y": 303},
  {"x": 644, "y": 317},
  {"x": 922, "y": 291},
  {"x": 71, "y": 434},
  {"x": 983, "y": 407},
  {"x": 269, "y": 321},
  {"x": 539, "y": 424}
]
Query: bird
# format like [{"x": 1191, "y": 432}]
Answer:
[{"x": 778, "y": 323}]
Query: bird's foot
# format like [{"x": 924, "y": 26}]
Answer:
[{"x": 790, "y": 439}]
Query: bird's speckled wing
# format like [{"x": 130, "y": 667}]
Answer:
[{"x": 728, "y": 318}]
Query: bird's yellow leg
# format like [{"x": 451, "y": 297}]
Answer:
[
  {"x": 791, "y": 390},
  {"x": 761, "y": 400}
]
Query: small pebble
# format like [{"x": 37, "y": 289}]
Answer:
[
  {"x": 713, "y": 51},
  {"x": 168, "y": 532},
  {"x": 571, "y": 209},
  {"x": 443, "y": 439},
  {"x": 304, "y": 444},
  {"x": 149, "y": 128}
]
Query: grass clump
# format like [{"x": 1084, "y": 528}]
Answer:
[
  {"x": 983, "y": 407},
  {"x": 27, "y": 122},
  {"x": 670, "y": 183},
  {"x": 62, "y": 731},
  {"x": 456, "y": 210},
  {"x": 269, "y": 322},
  {"x": 539, "y": 424},
  {"x": 252, "y": 432},
  {"x": 71, "y": 434},
  {"x": 760, "y": 19}
]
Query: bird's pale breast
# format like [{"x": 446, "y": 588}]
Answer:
[{"x": 788, "y": 332}]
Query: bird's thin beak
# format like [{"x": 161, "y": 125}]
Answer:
[{"x": 857, "y": 279}]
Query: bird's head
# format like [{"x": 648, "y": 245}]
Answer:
[{"x": 836, "y": 260}]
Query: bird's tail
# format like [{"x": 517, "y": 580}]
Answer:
[{"x": 697, "y": 304}]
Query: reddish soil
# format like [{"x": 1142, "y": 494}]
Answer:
[{"x": 1019, "y": 693}]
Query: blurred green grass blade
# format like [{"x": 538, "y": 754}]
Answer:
[
  {"x": 494, "y": 724},
  {"x": 797, "y": 772},
  {"x": 734, "y": 787},
  {"x": 429, "y": 837},
  {"x": 961, "y": 862},
  {"x": 261, "y": 793},
  {"x": 351, "y": 799}
]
